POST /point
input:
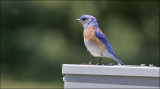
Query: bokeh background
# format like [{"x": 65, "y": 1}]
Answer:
[{"x": 37, "y": 37}]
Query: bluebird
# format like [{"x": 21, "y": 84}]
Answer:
[{"x": 95, "y": 40}]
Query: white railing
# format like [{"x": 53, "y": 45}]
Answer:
[{"x": 113, "y": 76}]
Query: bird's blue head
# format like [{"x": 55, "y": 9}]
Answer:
[{"x": 88, "y": 21}]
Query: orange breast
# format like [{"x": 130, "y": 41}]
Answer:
[{"x": 90, "y": 35}]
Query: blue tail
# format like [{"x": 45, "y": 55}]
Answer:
[{"x": 119, "y": 61}]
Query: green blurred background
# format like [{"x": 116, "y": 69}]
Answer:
[{"x": 37, "y": 37}]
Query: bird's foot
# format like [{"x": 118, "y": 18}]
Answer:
[{"x": 90, "y": 63}]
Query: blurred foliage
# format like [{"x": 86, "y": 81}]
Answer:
[{"x": 37, "y": 37}]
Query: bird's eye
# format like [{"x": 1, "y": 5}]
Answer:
[{"x": 84, "y": 19}]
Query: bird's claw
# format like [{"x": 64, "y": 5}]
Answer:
[{"x": 90, "y": 63}]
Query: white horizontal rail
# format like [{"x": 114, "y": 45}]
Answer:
[{"x": 116, "y": 70}]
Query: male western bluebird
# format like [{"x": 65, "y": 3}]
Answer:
[{"x": 95, "y": 40}]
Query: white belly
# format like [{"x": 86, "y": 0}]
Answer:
[{"x": 95, "y": 51}]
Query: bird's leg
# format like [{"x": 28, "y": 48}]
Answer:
[
  {"x": 91, "y": 60},
  {"x": 99, "y": 61}
]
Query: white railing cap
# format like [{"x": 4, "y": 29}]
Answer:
[{"x": 115, "y": 70}]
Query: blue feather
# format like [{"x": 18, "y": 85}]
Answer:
[{"x": 104, "y": 40}]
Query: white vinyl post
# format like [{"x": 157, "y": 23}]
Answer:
[{"x": 115, "y": 76}]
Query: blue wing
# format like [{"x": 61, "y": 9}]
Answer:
[{"x": 104, "y": 40}]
